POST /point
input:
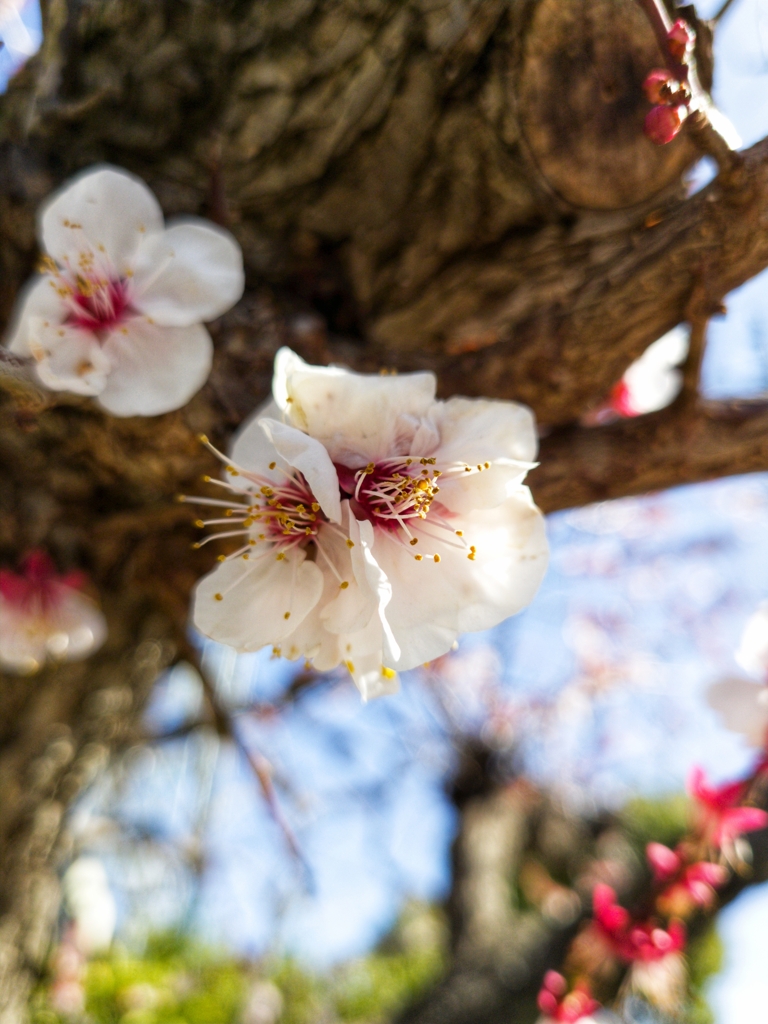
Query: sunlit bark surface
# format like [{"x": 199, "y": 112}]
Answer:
[{"x": 460, "y": 185}]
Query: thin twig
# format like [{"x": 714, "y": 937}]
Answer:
[
  {"x": 723, "y": 10},
  {"x": 226, "y": 726},
  {"x": 700, "y": 126}
]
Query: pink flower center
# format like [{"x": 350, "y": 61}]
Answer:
[
  {"x": 97, "y": 304},
  {"x": 391, "y": 492}
]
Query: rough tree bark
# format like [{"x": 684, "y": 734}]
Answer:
[{"x": 456, "y": 184}]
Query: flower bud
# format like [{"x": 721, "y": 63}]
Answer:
[
  {"x": 663, "y": 123},
  {"x": 659, "y": 86},
  {"x": 680, "y": 39}
]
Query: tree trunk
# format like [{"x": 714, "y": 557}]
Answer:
[{"x": 455, "y": 184}]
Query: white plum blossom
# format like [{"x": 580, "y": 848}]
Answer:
[
  {"x": 377, "y": 522},
  {"x": 752, "y": 653},
  {"x": 118, "y": 307},
  {"x": 44, "y": 617},
  {"x": 14, "y": 34},
  {"x": 91, "y": 905},
  {"x": 741, "y": 704},
  {"x": 743, "y": 707},
  {"x": 651, "y": 383}
]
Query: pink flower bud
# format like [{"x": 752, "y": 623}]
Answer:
[
  {"x": 680, "y": 38},
  {"x": 663, "y": 123},
  {"x": 659, "y": 86},
  {"x": 665, "y": 862}
]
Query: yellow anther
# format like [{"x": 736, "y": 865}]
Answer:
[
  {"x": 206, "y": 479},
  {"x": 202, "y": 439},
  {"x": 232, "y": 471},
  {"x": 479, "y": 468},
  {"x": 370, "y": 467},
  {"x": 436, "y": 558},
  {"x": 471, "y": 556},
  {"x": 246, "y": 556},
  {"x": 350, "y": 543},
  {"x": 343, "y": 585},
  {"x": 218, "y": 597},
  {"x": 280, "y": 556},
  {"x": 414, "y": 541},
  {"x": 196, "y": 545},
  {"x": 487, "y": 465},
  {"x": 253, "y": 542},
  {"x": 467, "y": 469},
  {"x": 287, "y": 615},
  {"x": 181, "y": 497},
  {"x": 350, "y": 666},
  {"x": 418, "y": 557},
  {"x": 272, "y": 465},
  {"x": 315, "y": 507},
  {"x": 459, "y": 533},
  {"x": 199, "y": 524},
  {"x": 388, "y": 673},
  {"x": 221, "y": 558}
]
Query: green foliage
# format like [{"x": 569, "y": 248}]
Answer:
[
  {"x": 178, "y": 981},
  {"x": 705, "y": 959},
  {"x": 661, "y": 821}
]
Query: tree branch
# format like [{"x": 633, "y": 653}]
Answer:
[{"x": 686, "y": 443}]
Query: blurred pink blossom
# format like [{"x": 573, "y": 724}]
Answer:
[{"x": 43, "y": 616}]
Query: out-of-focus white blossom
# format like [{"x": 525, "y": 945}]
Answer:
[
  {"x": 44, "y": 617},
  {"x": 377, "y": 523},
  {"x": 752, "y": 653},
  {"x": 14, "y": 34},
  {"x": 743, "y": 707},
  {"x": 263, "y": 1005},
  {"x": 652, "y": 382},
  {"x": 91, "y": 905},
  {"x": 117, "y": 310}
]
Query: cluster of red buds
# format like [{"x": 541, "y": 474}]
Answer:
[
  {"x": 685, "y": 882},
  {"x": 670, "y": 95},
  {"x": 562, "y": 1006}
]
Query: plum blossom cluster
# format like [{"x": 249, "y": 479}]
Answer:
[
  {"x": 648, "y": 947},
  {"x": 559, "y": 1005},
  {"x": 45, "y": 617},
  {"x": 117, "y": 309},
  {"x": 375, "y": 523}
]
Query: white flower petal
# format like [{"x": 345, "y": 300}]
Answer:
[
  {"x": 363, "y": 657},
  {"x": 154, "y": 369},
  {"x": 263, "y": 599},
  {"x": 102, "y": 210},
  {"x": 741, "y": 706},
  {"x": 14, "y": 33},
  {"x": 71, "y": 629},
  {"x": 479, "y": 430},
  {"x": 68, "y": 358},
  {"x": 485, "y": 488},
  {"x": 352, "y": 606},
  {"x": 752, "y": 654},
  {"x": 433, "y": 602},
  {"x": 192, "y": 272},
  {"x": 357, "y": 417},
  {"x": 311, "y": 459},
  {"x": 79, "y": 628},
  {"x": 39, "y": 301}
]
